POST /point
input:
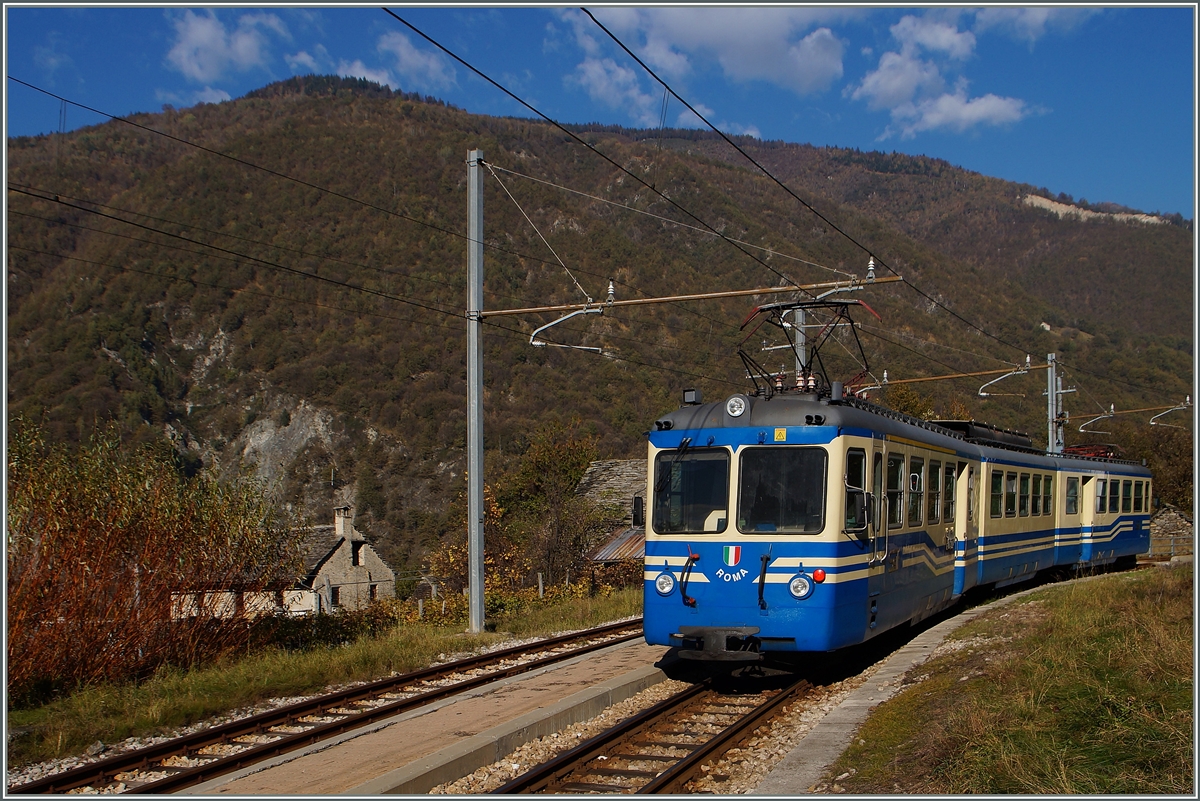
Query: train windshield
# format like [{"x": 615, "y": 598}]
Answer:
[
  {"x": 782, "y": 490},
  {"x": 691, "y": 491}
]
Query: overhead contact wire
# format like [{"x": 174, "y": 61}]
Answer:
[
  {"x": 578, "y": 139},
  {"x": 787, "y": 189}
]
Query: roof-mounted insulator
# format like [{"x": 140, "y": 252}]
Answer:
[
  {"x": 612, "y": 292},
  {"x": 871, "y": 270}
]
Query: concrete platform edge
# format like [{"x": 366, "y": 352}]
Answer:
[
  {"x": 208, "y": 787},
  {"x": 805, "y": 765},
  {"x": 487, "y": 747}
]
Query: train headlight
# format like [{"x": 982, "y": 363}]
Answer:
[
  {"x": 735, "y": 406},
  {"x": 800, "y": 586},
  {"x": 664, "y": 583}
]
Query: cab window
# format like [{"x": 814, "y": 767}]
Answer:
[{"x": 782, "y": 490}]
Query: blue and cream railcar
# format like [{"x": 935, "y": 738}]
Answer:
[{"x": 800, "y": 523}]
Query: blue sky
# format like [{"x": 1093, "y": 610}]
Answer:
[{"x": 1098, "y": 103}]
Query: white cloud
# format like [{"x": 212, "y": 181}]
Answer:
[
  {"x": 898, "y": 79},
  {"x": 204, "y": 49},
  {"x": 933, "y": 35},
  {"x": 955, "y": 112},
  {"x": 357, "y": 69},
  {"x": 1030, "y": 24},
  {"x": 910, "y": 82},
  {"x": 783, "y": 46},
  {"x": 301, "y": 62},
  {"x": 417, "y": 69},
  {"x": 210, "y": 95},
  {"x": 617, "y": 87}
]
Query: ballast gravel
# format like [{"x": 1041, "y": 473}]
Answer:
[{"x": 738, "y": 772}]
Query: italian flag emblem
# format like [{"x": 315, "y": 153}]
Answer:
[{"x": 733, "y": 555}]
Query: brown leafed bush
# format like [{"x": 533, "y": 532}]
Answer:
[{"x": 102, "y": 540}]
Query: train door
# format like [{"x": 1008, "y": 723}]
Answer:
[
  {"x": 876, "y": 567},
  {"x": 878, "y": 523},
  {"x": 966, "y": 527}
]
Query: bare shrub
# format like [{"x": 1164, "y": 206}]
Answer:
[{"x": 103, "y": 540}]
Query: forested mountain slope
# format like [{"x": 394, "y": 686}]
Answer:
[{"x": 282, "y": 285}]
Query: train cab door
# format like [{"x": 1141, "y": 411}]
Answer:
[
  {"x": 876, "y": 562},
  {"x": 966, "y": 527},
  {"x": 879, "y": 517}
]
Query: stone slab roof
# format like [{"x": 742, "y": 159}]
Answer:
[{"x": 613, "y": 483}]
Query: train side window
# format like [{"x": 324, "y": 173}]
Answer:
[
  {"x": 895, "y": 490},
  {"x": 856, "y": 479},
  {"x": 1023, "y": 508},
  {"x": 997, "y": 493},
  {"x": 1047, "y": 496},
  {"x": 916, "y": 490},
  {"x": 948, "y": 494},
  {"x": 933, "y": 514},
  {"x": 1010, "y": 495},
  {"x": 1126, "y": 496},
  {"x": 1072, "y": 495},
  {"x": 1114, "y": 495},
  {"x": 1101, "y": 503},
  {"x": 1036, "y": 498},
  {"x": 1137, "y": 496}
]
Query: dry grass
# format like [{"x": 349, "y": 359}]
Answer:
[{"x": 1085, "y": 688}]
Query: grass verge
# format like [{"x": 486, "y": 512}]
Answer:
[
  {"x": 174, "y": 698},
  {"x": 1083, "y": 688}
]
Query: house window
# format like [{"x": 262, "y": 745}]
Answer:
[
  {"x": 916, "y": 490},
  {"x": 1024, "y": 507},
  {"x": 1101, "y": 503},
  {"x": 335, "y": 596},
  {"x": 935, "y": 492},
  {"x": 997, "y": 493},
  {"x": 356, "y": 554},
  {"x": 1010, "y": 495},
  {"x": 1036, "y": 498},
  {"x": 373, "y": 592},
  {"x": 1073, "y": 495}
]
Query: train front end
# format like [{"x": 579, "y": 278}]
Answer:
[{"x": 749, "y": 543}]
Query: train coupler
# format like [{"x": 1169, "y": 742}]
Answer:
[{"x": 719, "y": 643}]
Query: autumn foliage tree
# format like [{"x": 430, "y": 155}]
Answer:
[{"x": 103, "y": 540}]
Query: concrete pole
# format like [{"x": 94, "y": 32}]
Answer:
[{"x": 475, "y": 387}]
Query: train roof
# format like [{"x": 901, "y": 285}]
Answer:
[{"x": 967, "y": 438}]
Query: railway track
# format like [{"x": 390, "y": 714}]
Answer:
[
  {"x": 663, "y": 748},
  {"x": 206, "y": 754}
]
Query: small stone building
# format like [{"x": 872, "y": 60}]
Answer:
[
  {"x": 612, "y": 484},
  {"x": 1171, "y": 533},
  {"x": 341, "y": 570}
]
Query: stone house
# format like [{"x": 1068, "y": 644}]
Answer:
[
  {"x": 341, "y": 570},
  {"x": 1171, "y": 533},
  {"x": 612, "y": 484}
]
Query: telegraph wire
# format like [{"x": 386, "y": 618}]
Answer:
[
  {"x": 768, "y": 251},
  {"x": 785, "y": 188},
  {"x": 581, "y": 141},
  {"x": 614, "y": 357},
  {"x": 235, "y": 290},
  {"x": 232, "y": 254},
  {"x": 307, "y": 184}
]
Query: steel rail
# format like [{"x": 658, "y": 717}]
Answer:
[
  {"x": 103, "y": 772},
  {"x": 551, "y": 775}
]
